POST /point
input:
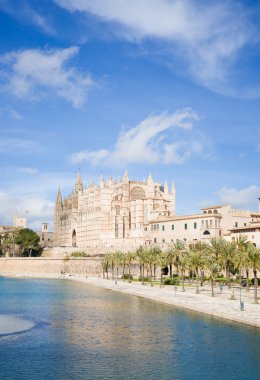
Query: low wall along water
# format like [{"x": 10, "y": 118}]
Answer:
[{"x": 31, "y": 265}]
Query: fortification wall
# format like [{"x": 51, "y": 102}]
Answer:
[{"x": 88, "y": 266}]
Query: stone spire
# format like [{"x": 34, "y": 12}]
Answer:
[
  {"x": 166, "y": 188},
  {"x": 109, "y": 181},
  {"x": 102, "y": 182},
  {"x": 78, "y": 185},
  {"x": 150, "y": 180},
  {"x": 126, "y": 179},
  {"x": 173, "y": 188},
  {"x": 59, "y": 198}
]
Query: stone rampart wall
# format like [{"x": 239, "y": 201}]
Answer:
[{"x": 88, "y": 266}]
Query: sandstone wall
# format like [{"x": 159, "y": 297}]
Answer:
[{"x": 88, "y": 266}]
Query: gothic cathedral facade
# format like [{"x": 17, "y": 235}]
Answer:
[{"x": 112, "y": 214}]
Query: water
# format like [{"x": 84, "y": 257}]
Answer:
[{"x": 83, "y": 332}]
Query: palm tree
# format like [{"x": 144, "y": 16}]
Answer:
[
  {"x": 118, "y": 259},
  {"x": 174, "y": 254},
  {"x": 226, "y": 258},
  {"x": 202, "y": 249},
  {"x": 241, "y": 260},
  {"x": 104, "y": 264},
  {"x": 162, "y": 261},
  {"x": 152, "y": 257},
  {"x": 141, "y": 255},
  {"x": 183, "y": 266},
  {"x": 129, "y": 260},
  {"x": 215, "y": 246},
  {"x": 241, "y": 256},
  {"x": 213, "y": 270},
  {"x": 254, "y": 260},
  {"x": 196, "y": 261}
]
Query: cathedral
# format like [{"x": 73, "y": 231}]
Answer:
[{"x": 112, "y": 214}]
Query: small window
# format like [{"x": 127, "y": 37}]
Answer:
[
  {"x": 163, "y": 240},
  {"x": 162, "y": 228},
  {"x": 236, "y": 224},
  {"x": 185, "y": 226},
  {"x": 152, "y": 227},
  {"x": 172, "y": 227},
  {"x": 244, "y": 224},
  {"x": 145, "y": 228},
  {"x": 195, "y": 226},
  {"x": 154, "y": 240}
]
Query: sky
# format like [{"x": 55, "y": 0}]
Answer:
[{"x": 166, "y": 87}]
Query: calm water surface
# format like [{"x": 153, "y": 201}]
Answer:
[{"x": 83, "y": 332}]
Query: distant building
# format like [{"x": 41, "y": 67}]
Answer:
[
  {"x": 125, "y": 214},
  {"x": 46, "y": 236},
  {"x": 20, "y": 222},
  {"x": 214, "y": 221}
]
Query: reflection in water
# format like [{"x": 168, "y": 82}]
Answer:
[{"x": 92, "y": 333}]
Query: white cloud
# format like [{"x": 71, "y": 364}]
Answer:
[
  {"x": 23, "y": 12},
  {"x": 30, "y": 190},
  {"x": 17, "y": 146},
  {"x": 27, "y": 170},
  {"x": 151, "y": 141},
  {"x": 239, "y": 198},
  {"x": 36, "y": 73},
  {"x": 39, "y": 209},
  {"x": 11, "y": 112},
  {"x": 208, "y": 35}
]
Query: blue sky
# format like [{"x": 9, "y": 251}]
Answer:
[{"x": 165, "y": 87}]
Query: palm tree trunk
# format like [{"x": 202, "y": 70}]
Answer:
[
  {"x": 255, "y": 287},
  {"x": 228, "y": 276},
  {"x": 112, "y": 271},
  {"x": 129, "y": 272},
  {"x": 201, "y": 277},
  {"x": 142, "y": 274},
  {"x": 182, "y": 279},
  {"x": 247, "y": 280},
  {"x": 161, "y": 279},
  {"x": 212, "y": 287},
  {"x": 170, "y": 270},
  {"x": 151, "y": 272},
  {"x": 123, "y": 274},
  {"x": 197, "y": 281}
]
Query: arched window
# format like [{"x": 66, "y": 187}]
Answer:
[
  {"x": 206, "y": 232},
  {"x": 137, "y": 193}
]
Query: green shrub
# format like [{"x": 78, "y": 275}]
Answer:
[
  {"x": 127, "y": 277},
  {"x": 253, "y": 281},
  {"x": 221, "y": 279},
  {"x": 79, "y": 254},
  {"x": 172, "y": 281},
  {"x": 146, "y": 279}
]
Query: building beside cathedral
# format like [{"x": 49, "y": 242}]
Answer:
[{"x": 112, "y": 214}]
